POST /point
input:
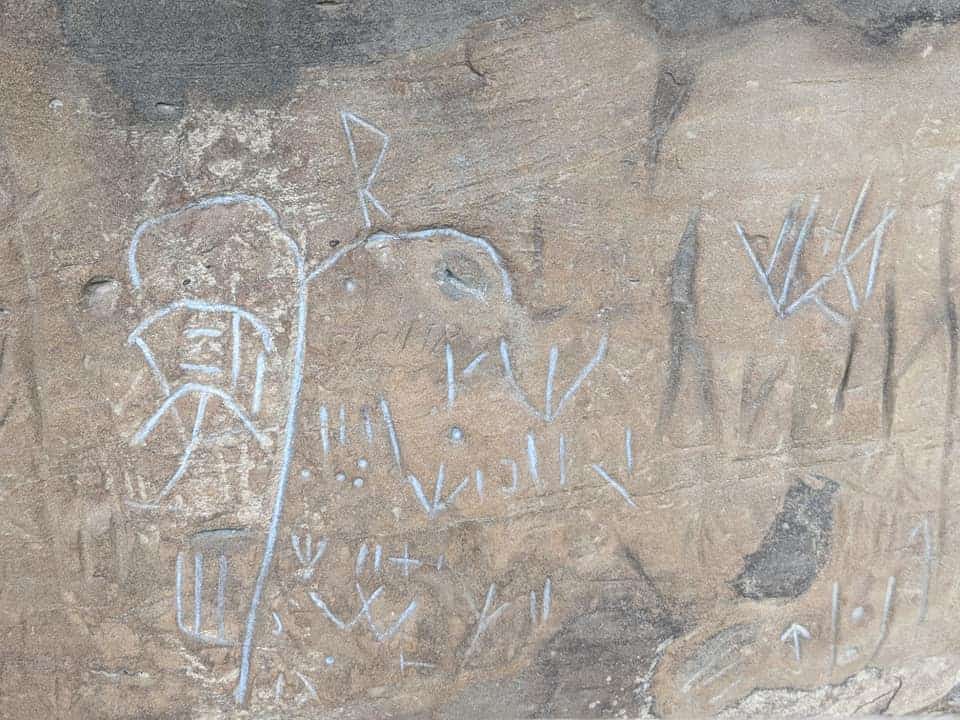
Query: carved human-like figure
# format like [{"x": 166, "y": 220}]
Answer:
[{"x": 216, "y": 281}]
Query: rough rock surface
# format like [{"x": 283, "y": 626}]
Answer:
[{"x": 461, "y": 359}]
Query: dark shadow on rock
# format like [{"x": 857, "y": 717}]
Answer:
[
  {"x": 880, "y": 21},
  {"x": 494, "y": 699},
  {"x": 669, "y": 98},
  {"x": 884, "y": 21},
  {"x": 948, "y": 704},
  {"x": 589, "y": 668},
  {"x": 684, "y": 16},
  {"x": 794, "y": 548},
  {"x": 602, "y": 660},
  {"x": 153, "y": 52}
]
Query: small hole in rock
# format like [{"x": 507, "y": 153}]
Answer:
[
  {"x": 100, "y": 294},
  {"x": 167, "y": 111},
  {"x": 460, "y": 276}
]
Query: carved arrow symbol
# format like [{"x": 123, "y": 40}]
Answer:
[{"x": 795, "y": 632}]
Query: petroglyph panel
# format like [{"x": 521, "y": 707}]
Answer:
[{"x": 438, "y": 360}]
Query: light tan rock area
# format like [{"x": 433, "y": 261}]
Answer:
[{"x": 448, "y": 359}]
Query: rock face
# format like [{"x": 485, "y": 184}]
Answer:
[
  {"x": 866, "y": 693},
  {"x": 462, "y": 359}
]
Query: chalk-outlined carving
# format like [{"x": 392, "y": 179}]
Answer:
[
  {"x": 304, "y": 277},
  {"x": 404, "y": 664},
  {"x": 792, "y": 242},
  {"x": 308, "y": 554},
  {"x": 365, "y": 613},
  {"x": 221, "y": 543},
  {"x": 795, "y": 634},
  {"x": 405, "y": 562},
  {"x": 620, "y": 489},
  {"x": 485, "y": 618},
  {"x": 549, "y": 412},
  {"x": 453, "y": 376},
  {"x": 204, "y": 392},
  {"x": 391, "y": 432},
  {"x": 350, "y": 122},
  {"x": 281, "y": 471},
  {"x": 545, "y": 604},
  {"x": 857, "y": 615},
  {"x": 439, "y": 503},
  {"x": 361, "y": 562},
  {"x": 359, "y": 430},
  {"x": 533, "y": 463}
]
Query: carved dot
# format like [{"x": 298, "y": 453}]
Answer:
[
  {"x": 340, "y": 476},
  {"x": 858, "y": 614},
  {"x": 329, "y": 660},
  {"x": 305, "y": 474},
  {"x": 358, "y": 482},
  {"x": 56, "y": 104},
  {"x": 362, "y": 464},
  {"x": 456, "y": 434},
  {"x": 349, "y": 285}
]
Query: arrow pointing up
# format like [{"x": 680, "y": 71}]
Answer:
[{"x": 795, "y": 632}]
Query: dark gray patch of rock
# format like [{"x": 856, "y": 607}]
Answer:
[
  {"x": 683, "y": 16},
  {"x": 153, "y": 52},
  {"x": 879, "y": 20},
  {"x": 794, "y": 548},
  {"x": 885, "y": 20},
  {"x": 589, "y": 667}
]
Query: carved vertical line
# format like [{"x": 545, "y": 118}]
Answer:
[
  {"x": 888, "y": 387},
  {"x": 950, "y": 320}
]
